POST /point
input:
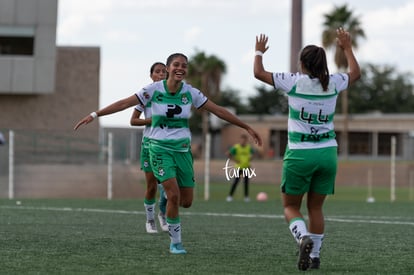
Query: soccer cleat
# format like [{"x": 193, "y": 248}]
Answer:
[
  {"x": 177, "y": 248},
  {"x": 163, "y": 222},
  {"x": 315, "y": 263},
  {"x": 305, "y": 248},
  {"x": 151, "y": 227},
  {"x": 229, "y": 198}
]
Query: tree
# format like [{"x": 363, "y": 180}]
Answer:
[
  {"x": 382, "y": 89},
  {"x": 230, "y": 97},
  {"x": 268, "y": 102},
  {"x": 341, "y": 17},
  {"x": 205, "y": 73}
]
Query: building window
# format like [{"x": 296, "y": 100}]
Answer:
[
  {"x": 16, "y": 45},
  {"x": 384, "y": 144},
  {"x": 360, "y": 143},
  {"x": 16, "y": 40}
]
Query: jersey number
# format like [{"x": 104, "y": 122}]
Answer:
[{"x": 320, "y": 118}]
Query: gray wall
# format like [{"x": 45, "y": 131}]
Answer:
[
  {"x": 76, "y": 94},
  {"x": 29, "y": 74}
]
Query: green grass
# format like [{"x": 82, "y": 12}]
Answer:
[
  {"x": 343, "y": 193},
  {"x": 108, "y": 237}
]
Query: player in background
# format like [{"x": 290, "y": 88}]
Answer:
[
  {"x": 241, "y": 153},
  {"x": 157, "y": 72},
  {"x": 170, "y": 146},
  {"x": 310, "y": 160}
]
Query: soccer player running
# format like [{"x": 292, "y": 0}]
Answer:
[
  {"x": 170, "y": 138},
  {"x": 310, "y": 160},
  {"x": 157, "y": 72}
]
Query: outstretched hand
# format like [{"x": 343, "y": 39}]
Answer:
[
  {"x": 261, "y": 43},
  {"x": 343, "y": 38},
  {"x": 83, "y": 121},
  {"x": 257, "y": 138}
]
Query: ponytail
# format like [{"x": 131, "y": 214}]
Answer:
[{"x": 313, "y": 59}]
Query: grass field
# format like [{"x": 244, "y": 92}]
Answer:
[{"x": 108, "y": 237}]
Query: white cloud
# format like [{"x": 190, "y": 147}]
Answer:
[
  {"x": 122, "y": 36},
  {"x": 135, "y": 33},
  {"x": 78, "y": 18}
]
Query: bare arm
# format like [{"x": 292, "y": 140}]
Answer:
[
  {"x": 226, "y": 115},
  {"x": 258, "y": 69},
  {"x": 344, "y": 41},
  {"x": 137, "y": 121},
  {"x": 110, "y": 109}
]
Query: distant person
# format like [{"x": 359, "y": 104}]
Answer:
[
  {"x": 310, "y": 160},
  {"x": 157, "y": 72},
  {"x": 241, "y": 153},
  {"x": 170, "y": 138}
]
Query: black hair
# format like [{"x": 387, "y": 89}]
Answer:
[
  {"x": 173, "y": 56},
  {"x": 313, "y": 59},
  {"x": 153, "y": 66}
]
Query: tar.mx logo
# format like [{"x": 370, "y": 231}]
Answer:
[{"x": 235, "y": 172}]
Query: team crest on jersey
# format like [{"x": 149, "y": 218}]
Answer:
[
  {"x": 161, "y": 172},
  {"x": 146, "y": 95},
  {"x": 184, "y": 99}
]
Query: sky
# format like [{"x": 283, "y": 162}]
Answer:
[{"x": 133, "y": 34}]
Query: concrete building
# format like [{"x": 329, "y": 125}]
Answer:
[
  {"x": 369, "y": 135},
  {"x": 27, "y": 46},
  {"x": 43, "y": 87}
]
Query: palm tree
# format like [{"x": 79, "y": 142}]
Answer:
[
  {"x": 342, "y": 17},
  {"x": 205, "y": 72}
]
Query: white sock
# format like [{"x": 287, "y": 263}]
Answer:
[
  {"x": 298, "y": 229},
  {"x": 149, "y": 211},
  {"x": 317, "y": 244},
  {"x": 175, "y": 232}
]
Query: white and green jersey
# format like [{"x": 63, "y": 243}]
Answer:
[
  {"x": 170, "y": 114},
  {"x": 311, "y": 110},
  {"x": 147, "y": 114}
]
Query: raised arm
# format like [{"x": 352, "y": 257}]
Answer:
[
  {"x": 258, "y": 69},
  {"x": 344, "y": 41}
]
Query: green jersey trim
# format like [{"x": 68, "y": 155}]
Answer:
[
  {"x": 296, "y": 137},
  {"x": 177, "y": 145},
  {"x": 319, "y": 96},
  {"x": 171, "y": 123}
]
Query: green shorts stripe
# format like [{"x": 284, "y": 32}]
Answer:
[
  {"x": 306, "y": 170},
  {"x": 145, "y": 159}
]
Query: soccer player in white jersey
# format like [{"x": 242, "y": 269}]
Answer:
[
  {"x": 157, "y": 72},
  {"x": 310, "y": 160},
  {"x": 171, "y": 159}
]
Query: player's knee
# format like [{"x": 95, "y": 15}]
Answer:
[{"x": 186, "y": 204}]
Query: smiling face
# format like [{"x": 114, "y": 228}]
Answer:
[{"x": 177, "y": 67}]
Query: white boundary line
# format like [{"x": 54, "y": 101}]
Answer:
[{"x": 343, "y": 219}]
